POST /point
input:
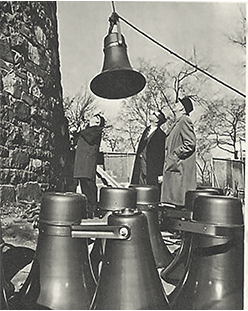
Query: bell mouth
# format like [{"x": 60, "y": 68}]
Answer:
[{"x": 117, "y": 83}]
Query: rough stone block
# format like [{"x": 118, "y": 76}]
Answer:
[
  {"x": 15, "y": 136},
  {"x": 33, "y": 54},
  {"x": 20, "y": 158},
  {"x": 7, "y": 194},
  {"x": 5, "y": 162},
  {"x": 4, "y": 152},
  {"x": 17, "y": 42},
  {"x": 30, "y": 191},
  {"x": 3, "y": 136},
  {"x": 27, "y": 98},
  {"x": 28, "y": 134},
  {"x": 5, "y": 50},
  {"x": 4, "y": 175},
  {"x": 17, "y": 90},
  {"x": 40, "y": 36},
  {"x": 22, "y": 110}
]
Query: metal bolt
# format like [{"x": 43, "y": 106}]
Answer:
[{"x": 123, "y": 232}]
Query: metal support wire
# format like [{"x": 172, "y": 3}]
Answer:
[
  {"x": 113, "y": 6},
  {"x": 180, "y": 57}
]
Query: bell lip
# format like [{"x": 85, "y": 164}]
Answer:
[{"x": 101, "y": 80}]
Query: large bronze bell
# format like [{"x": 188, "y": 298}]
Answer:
[
  {"x": 66, "y": 280},
  {"x": 147, "y": 202},
  {"x": 129, "y": 279},
  {"x": 117, "y": 79},
  {"x": 111, "y": 199},
  {"x": 174, "y": 272},
  {"x": 214, "y": 275}
]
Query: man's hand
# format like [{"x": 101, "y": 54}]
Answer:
[{"x": 160, "y": 179}]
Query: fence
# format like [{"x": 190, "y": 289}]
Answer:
[
  {"x": 226, "y": 173},
  {"x": 119, "y": 165},
  {"x": 229, "y": 174}
]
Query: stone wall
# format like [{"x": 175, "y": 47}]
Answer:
[{"x": 34, "y": 140}]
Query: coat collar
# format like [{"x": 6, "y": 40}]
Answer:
[{"x": 174, "y": 124}]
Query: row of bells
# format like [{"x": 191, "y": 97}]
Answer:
[{"x": 208, "y": 268}]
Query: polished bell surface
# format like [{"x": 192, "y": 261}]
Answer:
[
  {"x": 117, "y": 79},
  {"x": 214, "y": 274},
  {"x": 66, "y": 280},
  {"x": 147, "y": 202},
  {"x": 112, "y": 199},
  {"x": 146, "y": 194},
  {"x": 175, "y": 271},
  {"x": 129, "y": 279}
]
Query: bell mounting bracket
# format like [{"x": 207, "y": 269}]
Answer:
[
  {"x": 170, "y": 211},
  {"x": 216, "y": 230}
]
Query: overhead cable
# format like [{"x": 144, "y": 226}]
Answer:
[{"x": 181, "y": 58}]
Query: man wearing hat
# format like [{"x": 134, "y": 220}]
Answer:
[
  {"x": 86, "y": 159},
  {"x": 149, "y": 159},
  {"x": 179, "y": 172}
]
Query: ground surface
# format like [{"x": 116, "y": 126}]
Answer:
[{"x": 18, "y": 231}]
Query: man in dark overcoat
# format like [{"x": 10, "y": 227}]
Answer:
[
  {"x": 86, "y": 159},
  {"x": 149, "y": 159},
  {"x": 179, "y": 173}
]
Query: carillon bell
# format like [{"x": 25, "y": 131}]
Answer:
[
  {"x": 147, "y": 202},
  {"x": 65, "y": 277},
  {"x": 111, "y": 199},
  {"x": 117, "y": 79},
  {"x": 129, "y": 279},
  {"x": 175, "y": 271},
  {"x": 214, "y": 276}
]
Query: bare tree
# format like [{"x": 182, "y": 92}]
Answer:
[
  {"x": 113, "y": 138},
  {"x": 76, "y": 108},
  {"x": 203, "y": 161},
  {"x": 123, "y": 134},
  {"x": 222, "y": 124},
  {"x": 164, "y": 84},
  {"x": 239, "y": 36}
]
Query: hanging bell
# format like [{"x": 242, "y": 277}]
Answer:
[
  {"x": 129, "y": 279},
  {"x": 147, "y": 202},
  {"x": 117, "y": 79},
  {"x": 214, "y": 274},
  {"x": 174, "y": 272},
  {"x": 66, "y": 280}
]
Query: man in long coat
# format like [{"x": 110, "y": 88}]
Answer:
[
  {"x": 179, "y": 173},
  {"x": 149, "y": 159},
  {"x": 86, "y": 159}
]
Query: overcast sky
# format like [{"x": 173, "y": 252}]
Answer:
[{"x": 179, "y": 26}]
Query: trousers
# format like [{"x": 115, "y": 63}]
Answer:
[{"x": 89, "y": 188}]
